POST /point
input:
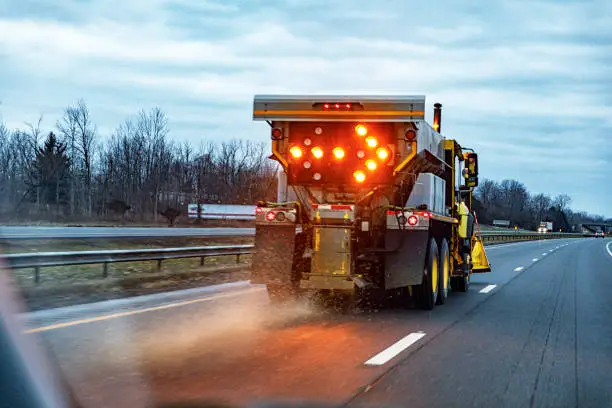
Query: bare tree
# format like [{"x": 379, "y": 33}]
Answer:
[
  {"x": 561, "y": 202},
  {"x": 540, "y": 204},
  {"x": 79, "y": 134}
]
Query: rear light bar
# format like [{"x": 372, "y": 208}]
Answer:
[
  {"x": 425, "y": 214},
  {"x": 334, "y": 207},
  {"x": 338, "y": 106},
  {"x": 407, "y": 219},
  {"x": 264, "y": 214}
]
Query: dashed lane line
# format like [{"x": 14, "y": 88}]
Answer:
[
  {"x": 390, "y": 352},
  {"x": 487, "y": 289}
]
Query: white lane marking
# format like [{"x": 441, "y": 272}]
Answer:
[
  {"x": 487, "y": 289},
  {"x": 544, "y": 254},
  {"x": 608, "y": 248},
  {"x": 520, "y": 268},
  {"x": 393, "y": 350},
  {"x": 139, "y": 311},
  {"x": 534, "y": 260},
  {"x": 550, "y": 250}
]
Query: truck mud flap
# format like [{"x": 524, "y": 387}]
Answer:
[
  {"x": 404, "y": 265},
  {"x": 479, "y": 257},
  {"x": 273, "y": 259}
]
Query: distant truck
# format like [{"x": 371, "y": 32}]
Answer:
[
  {"x": 545, "y": 226},
  {"x": 501, "y": 223}
]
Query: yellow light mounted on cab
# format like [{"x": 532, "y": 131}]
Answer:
[{"x": 470, "y": 173}]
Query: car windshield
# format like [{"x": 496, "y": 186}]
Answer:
[{"x": 347, "y": 203}]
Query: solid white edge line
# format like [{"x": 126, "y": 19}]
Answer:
[
  {"x": 487, "y": 289},
  {"x": 608, "y": 248},
  {"x": 393, "y": 350},
  {"x": 534, "y": 260},
  {"x": 137, "y": 311},
  {"x": 544, "y": 254},
  {"x": 518, "y": 269}
]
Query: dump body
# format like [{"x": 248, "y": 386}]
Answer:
[{"x": 374, "y": 191}]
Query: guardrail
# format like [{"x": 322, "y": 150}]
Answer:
[
  {"x": 38, "y": 260},
  {"x": 495, "y": 237}
]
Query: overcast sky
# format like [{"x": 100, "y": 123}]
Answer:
[{"x": 527, "y": 84}]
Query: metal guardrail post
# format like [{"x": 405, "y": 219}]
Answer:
[
  {"x": 105, "y": 270},
  {"x": 37, "y": 274},
  {"x": 159, "y": 264},
  {"x": 237, "y": 258}
]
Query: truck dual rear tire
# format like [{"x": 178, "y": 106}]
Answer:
[
  {"x": 427, "y": 292},
  {"x": 444, "y": 273}
]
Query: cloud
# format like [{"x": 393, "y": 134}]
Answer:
[{"x": 527, "y": 84}]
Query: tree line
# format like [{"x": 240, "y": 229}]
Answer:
[
  {"x": 69, "y": 173},
  {"x": 510, "y": 200}
]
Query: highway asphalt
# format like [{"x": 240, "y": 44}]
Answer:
[
  {"x": 534, "y": 332},
  {"x": 15, "y": 233}
]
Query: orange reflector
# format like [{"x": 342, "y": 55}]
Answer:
[
  {"x": 371, "y": 141},
  {"x": 338, "y": 153},
  {"x": 361, "y": 130},
  {"x": 317, "y": 152},
  {"x": 370, "y": 164},
  {"x": 359, "y": 176},
  {"x": 296, "y": 152},
  {"x": 382, "y": 153}
]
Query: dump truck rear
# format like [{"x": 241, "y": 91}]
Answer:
[{"x": 372, "y": 200}]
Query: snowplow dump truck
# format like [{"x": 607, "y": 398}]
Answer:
[{"x": 372, "y": 200}]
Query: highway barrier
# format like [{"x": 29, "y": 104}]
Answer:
[{"x": 38, "y": 260}]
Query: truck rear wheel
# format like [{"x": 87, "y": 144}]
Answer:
[
  {"x": 444, "y": 273},
  {"x": 428, "y": 290}
]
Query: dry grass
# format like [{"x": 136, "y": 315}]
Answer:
[{"x": 82, "y": 283}]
